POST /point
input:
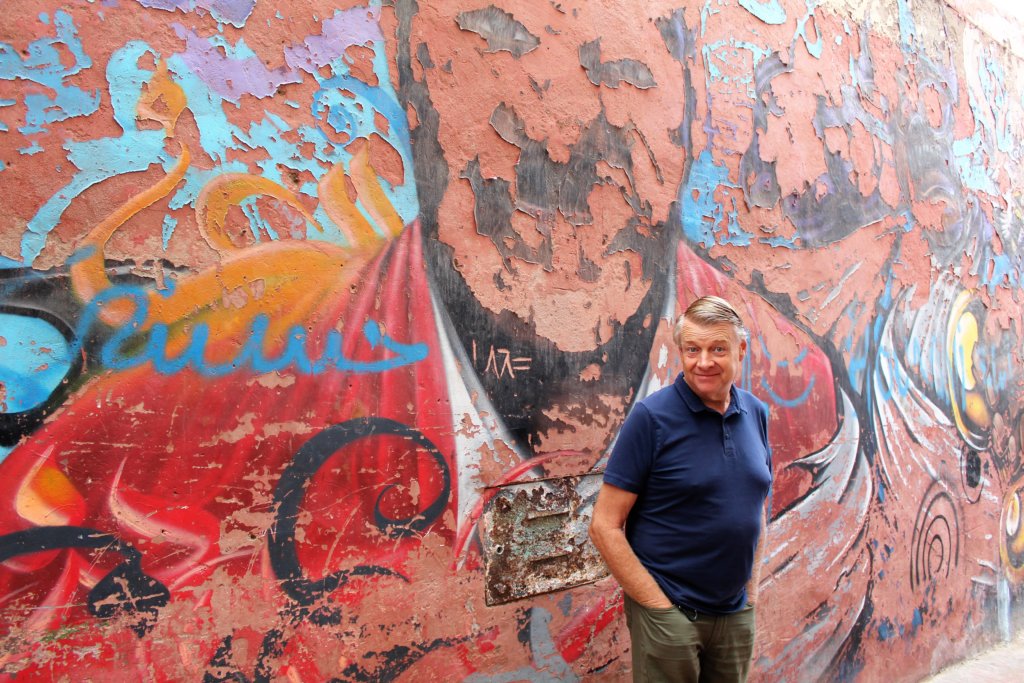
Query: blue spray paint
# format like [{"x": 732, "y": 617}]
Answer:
[
  {"x": 768, "y": 11},
  {"x": 43, "y": 65},
  {"x": 34, "y": 358},
  {"x": 98, "y": 160},
  {"x": 153, "y": 348}
]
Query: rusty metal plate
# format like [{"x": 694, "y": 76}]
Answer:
[{"x": 534, "y": 538}]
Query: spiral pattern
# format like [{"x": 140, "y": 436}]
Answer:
[{"x": 935, "y": 545}]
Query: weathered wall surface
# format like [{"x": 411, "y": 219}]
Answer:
[{"x": 317, "y": 323}]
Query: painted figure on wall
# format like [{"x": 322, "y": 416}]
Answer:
[
  {"x": 310, "y": 302},
  {"x": 884, "y": 197}
]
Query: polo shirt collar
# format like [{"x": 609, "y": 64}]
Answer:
[{"x": 696, "y": 405}]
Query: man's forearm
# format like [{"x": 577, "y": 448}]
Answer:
[
  {"x": 754, "y": 585},
  {"x": 627, "y": 569}
]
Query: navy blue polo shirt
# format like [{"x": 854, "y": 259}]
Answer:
[{"x": 701, "y": 479}]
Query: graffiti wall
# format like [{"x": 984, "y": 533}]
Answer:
[{"x": 318, "y": 321}]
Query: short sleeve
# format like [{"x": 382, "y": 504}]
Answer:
[{"x": 633, "y": 454}]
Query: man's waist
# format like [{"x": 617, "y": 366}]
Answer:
[{"x": 719, "y": 599}]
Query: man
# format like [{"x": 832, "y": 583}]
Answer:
[{"x": 681, "y": 514}]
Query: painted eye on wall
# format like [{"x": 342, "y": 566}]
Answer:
[
  {"x": 1013, "y": 514},
  {"x": 971, "y": 411},
  {"x": 1012, "y": 542}
]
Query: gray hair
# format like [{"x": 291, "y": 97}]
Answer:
[{"x": 710, "y": 310}]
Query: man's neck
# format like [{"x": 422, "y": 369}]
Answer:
[{"x": 719, "y": 406}]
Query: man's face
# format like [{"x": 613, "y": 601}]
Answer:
[
  {"x": 557, "y": 128},
  {"x": 712, "y": 357}
]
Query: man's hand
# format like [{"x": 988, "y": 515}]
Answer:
[{"x": 667, "y": 604}]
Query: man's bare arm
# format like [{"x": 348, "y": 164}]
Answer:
[{"x": 607, "y": 530}]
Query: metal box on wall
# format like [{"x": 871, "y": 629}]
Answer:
[{"x": 534, "y": 538}]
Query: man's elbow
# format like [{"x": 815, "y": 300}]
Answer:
[
  {"x": 600, "y": 531},
  {"x": 597, "y": 533},
  {"x": 593, "y": 532}
]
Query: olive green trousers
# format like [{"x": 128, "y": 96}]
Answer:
[{"x": 668, "y": 645}]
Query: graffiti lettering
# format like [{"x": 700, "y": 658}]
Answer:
[
  {"x": 296, "y": 298},
  {"x": 507, "y": 365},
  {"x": 116, "y": 353}
]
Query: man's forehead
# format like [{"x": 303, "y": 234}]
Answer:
[{"x": 696, "y": 332}]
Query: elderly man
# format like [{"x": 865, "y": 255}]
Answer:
[{"x": 680, "y": 516}]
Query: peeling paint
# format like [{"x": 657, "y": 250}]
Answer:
[
  {"x": 613, "y": 73},
  {"x": 318, "y": 322},
  {"x": 499, "y": 29}
]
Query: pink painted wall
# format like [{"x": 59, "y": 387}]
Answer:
[{"x": 317, "y": 323}]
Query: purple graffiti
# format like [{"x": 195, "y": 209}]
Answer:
[
  {"x": 229, "y": 76},
  {"x": 234, "y": 12},
  {"x": 356, "y": 26}
]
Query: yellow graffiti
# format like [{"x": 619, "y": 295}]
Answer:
[
  {"x": 288, "y": 281},
  {"x": 231, "y": 189},
  {"x": 47, "y": 497},
  {"x": 971, "y": 411},
  {"x": 88, "y": 273},
  {"x": 369, "y": 189},
  {"x": 162, "y": 100},
  {"x": 341, "y": 207},
  {"x": 1011, "y": 546}
]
